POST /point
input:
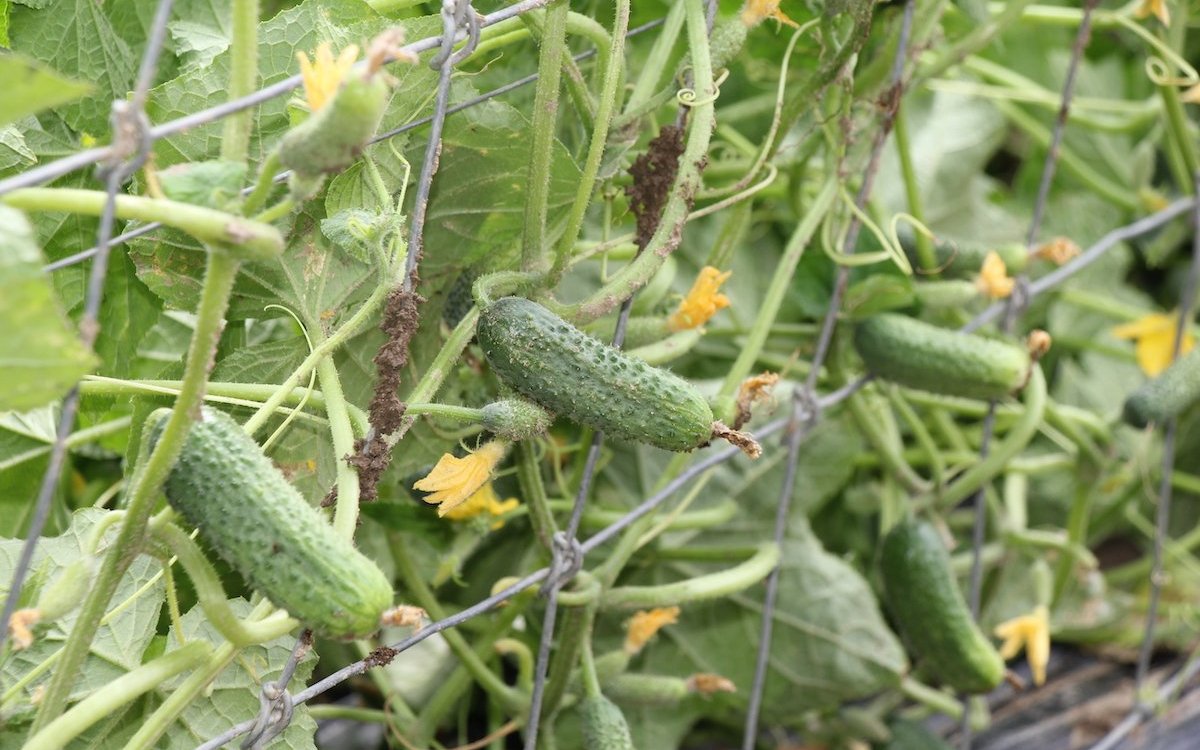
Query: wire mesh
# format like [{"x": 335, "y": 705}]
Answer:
[{"x": 133, "y": 137}]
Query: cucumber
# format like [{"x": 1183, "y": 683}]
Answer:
[
  {"x": 576, "y": 376},
  {"x": 250, "y": 515},
  {"x": 515, "y": 419},
  {"x": 604, "y": 726},
  {"x": 930, "y": 612},
  {"x": 1175, "y": 389},
  {"x": 331, "y": 139},
  {"x": 916, "y": 354},
  {"x": 960, "y": 260}
]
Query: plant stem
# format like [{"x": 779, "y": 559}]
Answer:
[
  {"x": 181, "y": 697},
  {"x": 1014, "y": 442},
  {"x": 240, "y": 237},
  {"x": 931, "y": 697},
  {"x": 425, "y": 598},
  {"x": 211, "y": 594},
  {"x": 345, "y": 511},
  {"x": 737, "y": 578},
  {"x": 319, "y": 352},
  {"x": 656, "y": 66},
  {"x": 543, "y": 126},
  {"x": 912, "y": 187},
  {"x": 102, "y": 703},
  {"x": 243, "y": 78},
  {"x": 781, "y": 281},
  {"x": 146, "y": 484},
  {"x": 1180, "y": 137},
  {"x": 529, "y": 474},
  {"x": 263, "y": 185},
  {"x": 688, "y": 181},
  {"x": 613, "y": 67}
]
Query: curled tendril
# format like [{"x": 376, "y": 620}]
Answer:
[
  {"x": 1158, "y": 69},
  {"x": 312, "y": 379},
  {"x": 891, "y": 248},
  {"x": 689, "y": 98},
  {"x": 920, "y": 228}
]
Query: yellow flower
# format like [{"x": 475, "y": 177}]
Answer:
[
  {"x": 993, "y": 280},
  {"x": 757, "y": 11},
  {"x": 1156, "y": 8},
  {"x": 1154, "y": 337},
  {"x": 702, "y": 302},
  {"x": 707, "y": 683},
  {"x": 1192, "y": 95},
  {"x": 483, "y": 500},
  {"x": 1031, "y": 632},
  {"x": 643, "y": 625},
  {"x": 20, "y": 627},
  {"x": 454, "y": 480},
  {"x": 324, "y": 74}
]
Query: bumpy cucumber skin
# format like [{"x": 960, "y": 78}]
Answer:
[
  {"x": 913, "y": 353},
  {"x": 260, "y": 524},
  {"x": 515, "y": 419},
  {"x": 331, "y": 139},
  {"x": 930, "y": 612},
  {"x": 604, "y": 726},
  {"x": 574, "y": 375},
  {"x": 1175, "y": 389}
]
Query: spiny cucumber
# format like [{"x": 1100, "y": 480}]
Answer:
[
  {"x": 574, "y": 375},
  {"x": 1173, "y": 390},
  {"x": 920, "y": 355},
  {"x": 250, "y": 515}
]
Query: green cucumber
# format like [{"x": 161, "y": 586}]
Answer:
[
  {"x": 576, "y": 376},
  {"x": 924, "y": 356},
  {"x": 1173, "y": 390},
  {"x": 515, "y": 419},
  {"x": 332, "y": 137},
  {"x": 930, "y": 612},
  {"x": 604, "y": 726},
  {"x": 955, "y": 260},
  {"x": 250, "y": 515}
]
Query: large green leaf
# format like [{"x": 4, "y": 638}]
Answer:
[
  {"x": 31, "y": 87},
  {"x": 76, "y": 36},
  {"x": 234, "y": 696},
  {"x": 120, "y": 641},
  {"x": 40, "y": 354}
]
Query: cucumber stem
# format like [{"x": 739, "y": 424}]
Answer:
[
  {"x": 145, "y": 485},
  {"x": 240, "y": 237},
  {"x": 729, "y": 581},
  {"x": 243, "y": 78},
  {"x": 124, "y": 689},
  {"x": 543, "y": 126}
]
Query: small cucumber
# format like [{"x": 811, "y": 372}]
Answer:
[
  {"x": 919, "y": 355},
  {"x": 930, "y": 612},
  {"x": 515, "y": 419},
  {"x": 250, "y": 515},
  {"x": 961, "y": 260},
  {"x": 576, "y": 376},
  {"x": 331, "y": 139},
  {"x": 604, "y": 726},
  {"x": 1175, "y": 389}
]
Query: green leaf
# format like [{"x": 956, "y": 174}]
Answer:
[
  {"x": 25, "y": 440},
  {"x": 197, "y": 43},
  {"x": 216, "y": 184},
  {"x": 30, "y": 87},
  {"x": 120, "y": 642},
  {"x": 830, "y": 641},
  {"x": 14, "y": 151},
  {"x": 76, "y": 36},
  {"x": 40, "y": 355},
  {"x": 234, "y": 696}
]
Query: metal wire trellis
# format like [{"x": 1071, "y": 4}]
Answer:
[{"x": 133, "y": 137}]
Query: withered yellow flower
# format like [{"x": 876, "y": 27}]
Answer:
[
  {"x": 706, "y": 683},
  {"x": 20, "y": 627},
  {"x": 643, "y": 625},
  {"x": 1031, "y": 632},
  {"x": 1154, "y": 340},
  {"x": 1156, "y": 8},
  {"x": 454, "y": 480},
  {"x": 993, "y": 280},
  {"x": 755, "y": 12},
  {"x": 1058, "y": 250},
  {"x": 483, "y": 501},
  {"x": 324, "y": 74},
  {"x": 702, "y": 302}
]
